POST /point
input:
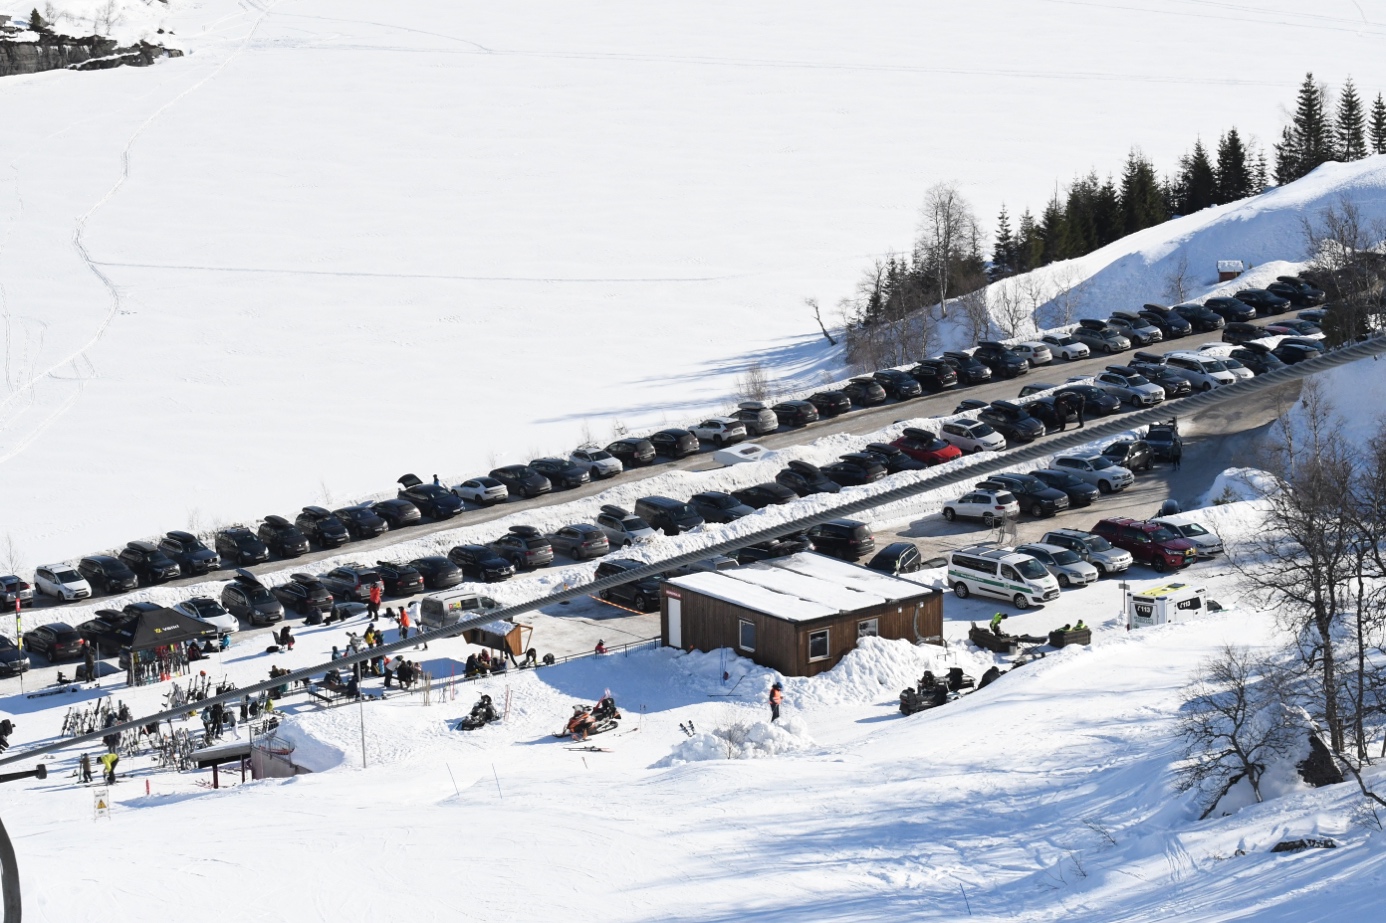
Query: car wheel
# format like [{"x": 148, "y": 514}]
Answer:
[
  {"x": 1036, "y": 510},
  {"x": 1207, "y": 386},
  {"x": 960, "y": 590},
  {"x": 1101, "y": 569},
  {"x": 626, "y": 543},
  {"x": 642, "y": 604},
  {"x": 1104, "y": 486},
  {"x": 1064, "y": 581},
  {"x": 1158, "y": 562},
  {"x": 988, "y": 520},
  {"x": 1020, "y": 601},
  {"x": 948, "y": 514}
]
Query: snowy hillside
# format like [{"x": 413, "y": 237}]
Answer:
[{"x": 339, "y": 241}]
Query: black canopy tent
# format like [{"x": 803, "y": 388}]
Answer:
[{"x": 158, "y": 645}]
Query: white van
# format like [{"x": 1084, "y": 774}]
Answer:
[
  {"x": 1003, "y": 573},
  {"x": 440, "y": 610}
]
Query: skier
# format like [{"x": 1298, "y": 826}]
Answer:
[
  {"x": 996, "y": 621},
  {"x": 373, "y": 607},
  {"x": 776, "y": 697}
]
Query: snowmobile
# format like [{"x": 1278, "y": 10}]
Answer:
[
  {"x": 588, "y": 720},
  {"x": 482, "y": 714},
  {"x": 930, "y": 692}
]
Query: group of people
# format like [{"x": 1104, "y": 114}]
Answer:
[
  {"x": 484, "y": 664},
  {"x": 1078, "y": 626}
]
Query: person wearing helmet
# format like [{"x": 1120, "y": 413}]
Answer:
[
  {"x": 580, "y": 724},
  {"x": 776, "y": 697}
]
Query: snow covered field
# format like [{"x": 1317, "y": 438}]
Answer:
[{"x": 339, "y": 241}]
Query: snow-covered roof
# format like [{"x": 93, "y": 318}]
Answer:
[
  {"x": 1231, "y": 266},
  {"x": 801, "y": 587}
]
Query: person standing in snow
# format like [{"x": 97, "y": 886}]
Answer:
[
  {"x": 1176, "y": 453},
  {"x": 373, "y": 607},
  {"x": 403, "y": 623},
  {"x": 89, "y": 663},
  {"x": 776, "y": 697}
]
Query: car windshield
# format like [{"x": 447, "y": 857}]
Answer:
[
  {"x": 1214, "y": 365},
  {"x": 634, "y": 524},
  {"x": 1137, "y": 380},
  {"x": 1065, "y": 557},
  {"x": 1193, "y": 528},
  {"x": 1099, "y": 462},
  {"x": 66, "y": 576},
  {"x": 260, "y": 595},
  {"x": 1031, "y": 569},
  {"x": 725, "y": 503},
  {"x": 1098, "y": 543},
  {"x": 1232, "y": 364},
  {"x": 980, "y": 431},
  {"x": 599, "y": 455},
  {"x": 1163, "y": 534}
]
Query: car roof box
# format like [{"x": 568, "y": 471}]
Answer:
[{"x": 612, "y": 509}]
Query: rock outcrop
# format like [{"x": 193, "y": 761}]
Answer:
[{"x": 93, "y": 52}]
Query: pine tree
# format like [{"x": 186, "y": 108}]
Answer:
[
  {"x": 1378, "y": 126},
  {"x": 1053, "y": 232},
  {"x": 1106, "y": 213},
  {"x": 1004, "y": 255},
  {"x": 1030, "y": 246},
  {"x": 1142, "y": 195},
  {"x": 37, "y": 23},
  {"x": 1233, "y": 173},
  {"x": 1349, "y": 126},
  {"x": 1260, "y": 173},
  {"x": 1307, "y": 142},
  {"x": 1195, "y": 187}
]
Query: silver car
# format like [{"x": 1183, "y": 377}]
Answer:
[
  {"x": 1094, "y": 549},
  {"x": 1130, "y": 386},
  {"x": 1066, "y": 566},
  {"x": 482, "y": 490},
  {"x": 1098, "y": 470},
  {"x": 1206, "y": 542},
  {"x": 623, "y": 528},
  {"x": 599, "y": 462}
]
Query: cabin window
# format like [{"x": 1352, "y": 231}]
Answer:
[
  {"x": 747, "y": 641},
  {"x": 868, "y": 628},
  {"x": 818, "y": 645}
]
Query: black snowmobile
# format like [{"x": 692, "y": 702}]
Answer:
[
  {"x": 482, "y": 714},
  {"x": 930, "y": 692},
  {"x": 591, "y": 719}
]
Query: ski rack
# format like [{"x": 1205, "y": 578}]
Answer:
[{"x": 922, "y": 482}]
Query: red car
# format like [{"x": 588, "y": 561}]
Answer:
[
  {"x": 1149, "y": 542},
  {"x": 922, "y": 445}
]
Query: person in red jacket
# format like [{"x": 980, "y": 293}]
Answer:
[
  {"x": 403, "y": 623},
  {"x": 776, "y": 697},
  {"x": 374, "y": 606}
]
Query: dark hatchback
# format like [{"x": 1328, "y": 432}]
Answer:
[
  {"x": 847, "y": 539},
  {"x": 433, "y": 500},
  {"x": 562, "y": 473},
  {"x": 55, "y": 641},
  {"x": 865, "y": 392},
  {"x": 830, "y": 403},
  {"x": 632, "y": 451},
  {"x": 1132, "y": 454},
  {"x": 399, "y": 579},
  {"x": 674, "y": 443},
  {"x": 1080, "y": 492},
  {"x": 1171, "y": 324},
  {"x": 303, "y": 593},
  {"x": 641, "y": 595},
  {"x": 855, "y": 469},
  {"x": 1230, "y": 309},
  {"x": 1263, "y": 301},
  {"x": 1034, "y": 496},
  {"x": 438, "y": 572},
  {"x": 150, "y": 564},
  {"x": 13, "y": 661},
  {"x": 108, "y": 574},
  {"x": 1096, "y": 402},
  {"x": 716, "y": 506},
  {"x": 804, "y": 479},
  {"x": 759, "y": 496},
  {"x": 187, "y": 551},
  {"x": 935, "y": 375},
  {"x": 1204, "y": 320},
  {"x": 361, "y": 521},
  {"x": 283, "y": 537},
  {"x": 1002, "y": 362},
  {"x": 397, "y": 513},
  {"x": 796, "y": 413},
  {"x": 1011, "y": 421},
  {"x": 897, "y": 558},
  {"x": 481, "y": 562},
  {"x": 1239, "y": 333},
  {"x": 967, "y": 369},
  {"x": 522, "y": 480},
  {"x": 322, "y": 526},
  {"x": 897, "y": 384},
  {"x": 781, "y": 547},
  {"x": 893, "y": 457}
]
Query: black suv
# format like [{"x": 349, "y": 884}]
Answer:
[
  {"x": 361, "y": 521},
  {"x": 759, "y": 496},
  {"x": 632, "y": 451},
  {"x": 1230, "y": 309},
  {"x": 238, "y": 546},
  {"x": 1011, "y": 421},
  {"x": 564, "y": 474},
  {"x": 1132, "y": 454},
  {"x": 245, "y": 597},
  {"x": 1162, "y": 439},
  {"x": 524, "y": 546},
  {"x": 1096, "y": 402},
  {"x": 323, "y": 527},
  {"x": 716, "y": 506},
  {"x": 843, "y": 538},
  {"x": 804, "y": 478},
  {"x": 1202, "y": 319},
  {"x": 1258, "y": 361},
  {"x": 1080, "y": 492},
  {"x": 397, "y": 513},
  {"x": 304, "y": 593},
  {"x": 433, "y": 500},
  {"x": 674, "y": 443},
  {"x": 438, "y": 572},
  {"x": 667, "y": 514},
  {"x": 999, "y": 358},
  {"x": 855, "y": 469},
  {"x": 1153, "y": 368},
  {"x": 481, "y": 562},
  {"x": 897, "y": 384},
  {"x": 865, "y": 392},
  {"x": 399, "y": 579},
  {"x": 967, "y": 369},
  {"x": 283, "y": 537},
  {"x": 1237, "y": 334},
  {"x": 187, "y": 551},
  {"x": 150, "y": 564},
  {"x": 640, "y": 595},
  {"x": 524, "y": 481},
  {"x": 107, "y": 574},
  {"x": 1035, "y": 496},
  {"x": 1263, "y": 301},
  {"x": 936, "y": 375},
  {"x": 781, "y": 547},
  {"x": 1297, "y": 291},
  {"x": 830, "y": 403},
  {"x": 352, "y": 582},
  {"x": 796, "y": 413},
  {"x": 897, "y": 558},
  {"x": 1135, "y": 328},
  {"x": 1169, "y": 322}
]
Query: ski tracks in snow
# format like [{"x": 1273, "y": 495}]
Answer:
[{"x": 82, "y": 366}]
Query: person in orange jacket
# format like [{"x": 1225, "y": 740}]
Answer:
[
  {"x": 374, "y": 606},
  {"x": 776, "y": 697},
  {"x": 404, "y": 623}
]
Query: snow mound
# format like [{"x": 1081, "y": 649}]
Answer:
[
  {"x": 1237, "y": 484},
  {"x": 876, "y": 668},
  {"x": 742, "y": 741}
]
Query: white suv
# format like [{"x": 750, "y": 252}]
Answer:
[
  {"x": 721, "y": 430},
  {"x": 989, "y": 506},
  {"x": 1203, "y": 372},
  {"x": 599, "y": 462},
  {"x": 971, "y": 436},
  {"x": 1034, "y": 353},
  {"x": 1098, "y": 470},
  {"x": 1065, "y": 346},
  {"x": 61, "y": 581}
]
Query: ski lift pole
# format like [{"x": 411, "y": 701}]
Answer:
[{"x": 9, "y": 865}]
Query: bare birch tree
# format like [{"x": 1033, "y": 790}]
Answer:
[{"x": 948, "y": 231}]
